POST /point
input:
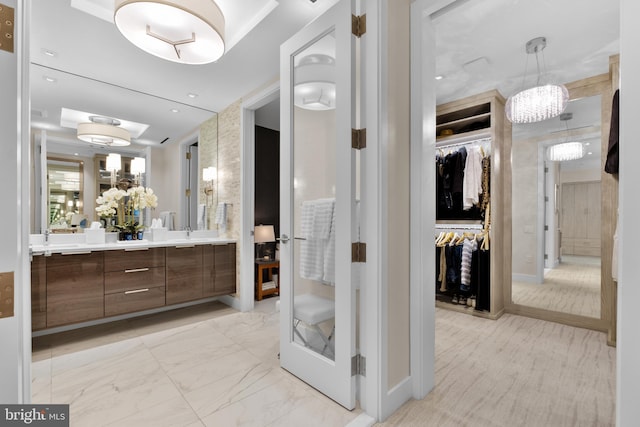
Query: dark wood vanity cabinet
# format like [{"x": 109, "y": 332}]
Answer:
[
  {"x": 75, "y": 288},
  {"x": 80, "y": 287},
  {"x": 134, "y": 280},
  {"x": 184, "y": 273},
  {"x": 219, "y": 270},
  {"x": 38, "y": 293}
]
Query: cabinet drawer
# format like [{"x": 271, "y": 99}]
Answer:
[
  {"x": 130, "y": 259},
  {"x": 587, "y": 243},
  {"x": 135, "y": 278},
  {"x": 133, "y": 300}
]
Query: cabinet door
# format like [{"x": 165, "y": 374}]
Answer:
[
  {"x": 208, "y": 271},
  {"x": 38, "y": 293},
  {"x": 219, "y": 270},
  {"x": 225, "y": 269},
  {"x": 75, "y": 288},
  {"x": 184, "y": 273}
]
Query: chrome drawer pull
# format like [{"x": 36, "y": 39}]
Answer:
[
  {"x": 136, "y": 249},
  {"x": 136, "y": 270},
  {"x": 137, "y": 291},
  {"x": 185, "y": 246},
  {"x": 77, "y": 253}
]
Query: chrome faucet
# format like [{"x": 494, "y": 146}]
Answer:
[
  {"x": 46, "y": 236},
  {"x": 188, "y": 230}
]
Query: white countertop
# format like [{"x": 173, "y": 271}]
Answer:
[{"x": 75, "y": 243}]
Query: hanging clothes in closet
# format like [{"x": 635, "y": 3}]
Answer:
[
  {"x": 463, "y": 268},
  {"x": 462, "y": 180}
]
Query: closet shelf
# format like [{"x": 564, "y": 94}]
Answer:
[{"x": 464, "y": 126}]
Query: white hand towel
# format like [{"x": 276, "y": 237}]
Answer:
[{"x": 202, "y": 217}]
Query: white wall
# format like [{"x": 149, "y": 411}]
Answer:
[
  {"x": 628, "y": 342},
  {"x": 165, "y": 178}
]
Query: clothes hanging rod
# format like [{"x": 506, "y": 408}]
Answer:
[
  {"x": 459, "y": 144},
  {"x": 459, "y": 226}
]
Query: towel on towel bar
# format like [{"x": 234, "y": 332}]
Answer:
[
  {"x": 221, "y": 216},
  {"x": 317, "y": 249}
]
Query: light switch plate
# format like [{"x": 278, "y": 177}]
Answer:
[
  {"x": 6, "y": 294},
  {"x": 6, "y": 28}
]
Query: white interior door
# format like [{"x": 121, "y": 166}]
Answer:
[{"x": 318, "y": 205}]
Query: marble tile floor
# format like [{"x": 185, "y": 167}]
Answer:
[
  {"x": 572, "y": 287},
  {"x": 207, "y": 365}
]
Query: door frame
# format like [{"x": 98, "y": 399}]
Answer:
[{"x": 247, "y": 189}]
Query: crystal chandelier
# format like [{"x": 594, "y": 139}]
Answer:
[
  {"x": 567, "y": 150},
  {"x": 540, "y": 102}
]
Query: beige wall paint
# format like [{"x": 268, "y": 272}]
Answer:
[
  {"x": 580, "y": 175},
  {"x": 398, "y": 191},
  {"x": 525, "y": 207},
  {"x": 208, "y": 156},
  {"x": 229, "y": 172}
]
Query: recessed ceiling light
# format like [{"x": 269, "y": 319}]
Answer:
[
  {"x": 49, "y": 52},
  {"x": 75, "y": 154},
  {"x": 49, "y": 79},
  {"x": 192, "y": 95},
  {"x": 589, "y": 153},
  {"x": 587, "y": 143},
  {"x": 175, "y": 110},
  {"x": 439, "y": 77}
]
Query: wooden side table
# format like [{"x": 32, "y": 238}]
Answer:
[{"x": 268, "y": 265}]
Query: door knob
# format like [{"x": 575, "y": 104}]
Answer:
[{"x": 284, "y": 238}]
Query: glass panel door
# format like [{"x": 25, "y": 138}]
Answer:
[{"x": 317, "y": 337}]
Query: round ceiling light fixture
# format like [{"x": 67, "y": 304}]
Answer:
[
  {"x": 186, "y": 31},
  {"x": 315, "y": 82},
  {"x": 104, "y": 131}
]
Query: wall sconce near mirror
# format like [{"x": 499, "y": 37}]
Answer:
[
  {"x": 263, "y": 234},
  {"x": 540, "y": 102},
  {"x": 138, "y": 167},
  {"x": 114, "y": 164},
  {"x": 103, "y": 131},
  {"x": 188, "y": 31},
  {"x": 315, "y": 82},
  {"x": 208, "y": 176}
]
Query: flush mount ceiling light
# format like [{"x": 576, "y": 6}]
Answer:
[
  {"x": 315, "y": 82},
  {"x": 104, "y": 131},
  {"x": 541, "y": 102},
  {"x": 186, "y": 31},
  {"x": 567, "y": 150}
]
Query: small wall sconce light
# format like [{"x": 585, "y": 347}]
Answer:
[
  {"x": 114, "y": 162},
  {"x": 208, "y": 176},
  {"x": 138, "y": 167}
]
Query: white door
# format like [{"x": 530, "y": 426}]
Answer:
[{"x": 318, "y": 204}]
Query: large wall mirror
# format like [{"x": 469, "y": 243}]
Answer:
[
  {"x": 65, "y": 92},
  {"x": 557, "y": 213}
]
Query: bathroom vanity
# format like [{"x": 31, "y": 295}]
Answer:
[{"x": 74, "y": 283}]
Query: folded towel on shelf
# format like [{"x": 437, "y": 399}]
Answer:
[{"x": 268, "y": 285}]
